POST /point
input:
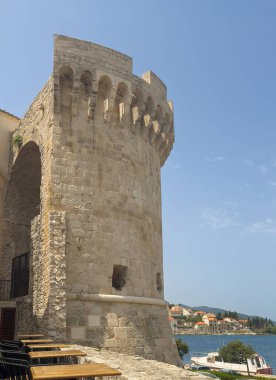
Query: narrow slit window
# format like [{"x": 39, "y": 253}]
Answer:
[
  {"x": 159, "y": 282},
  {"x": 119, "y": 277}
]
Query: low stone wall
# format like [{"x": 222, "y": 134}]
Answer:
[{"x": 137, "y": 368}]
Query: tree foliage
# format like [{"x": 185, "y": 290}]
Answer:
[
  {"x": 257, "y": 323},
  {"x": 228, "y": 314},
  {"x": 182, "y": 347},
  {"x": 236, "y": 352},
  {"x": 270, "y": 330},
  {"x": 193, "y": 319}
]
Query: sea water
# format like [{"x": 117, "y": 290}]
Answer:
[{"x": 264, "y": 345}]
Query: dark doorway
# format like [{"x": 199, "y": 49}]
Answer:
[
  {"x": 22, "y": 205},
  {"x": 20, "y": 276},
  {"x": 7, "y": 323}
]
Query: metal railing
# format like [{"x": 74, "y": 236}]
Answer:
[{"x": 5, "y": 290}]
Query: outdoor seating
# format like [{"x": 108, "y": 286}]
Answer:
[
  {"x": 36, "y": 341},
  {"x": 56, "y": 356},
  {"x": 15, "y": 355},
  {"x": 28, "y": 363},
  {"x": 73, "y": 371},
  {"x": 17, "y": 342},
  {"x": 9, "y": 346},
  {"x": 45, "y": 346},
  {"x": 14, "y": 369}
]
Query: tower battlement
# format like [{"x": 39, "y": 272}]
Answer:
[{"x": 103, "y": 79}]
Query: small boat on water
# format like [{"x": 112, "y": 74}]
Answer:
[{"x": 255, "y": 365}]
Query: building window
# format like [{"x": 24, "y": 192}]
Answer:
[
  {"x": 119, "y": 276},
  {"x": 20, "y": 276}
]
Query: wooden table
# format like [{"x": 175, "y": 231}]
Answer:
[
  {"x": 55, "y": 354},
  {"x": 30, "y": 336},
  {"x": 47, "y": 345},
  {"x": 34, "y": 341},
  {"x": 72, "y": 371}
]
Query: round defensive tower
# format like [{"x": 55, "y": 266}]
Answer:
[
  {"x": 96, "y": 267},
  {"x": 116, "y": 131}
]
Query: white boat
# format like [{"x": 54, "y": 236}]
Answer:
[{"x": 255, "y": 365}]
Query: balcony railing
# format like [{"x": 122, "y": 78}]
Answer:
[{"x": 5, "y": 290}]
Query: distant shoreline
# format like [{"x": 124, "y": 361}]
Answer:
[
  {"x": 216, "y": 333},
  {"x": 237, "y": 333}
]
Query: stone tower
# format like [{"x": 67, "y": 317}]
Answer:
[{"x": 84, "y": 201}]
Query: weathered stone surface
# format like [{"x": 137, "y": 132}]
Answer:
[
  {"x": 137, "y": 368},
  {"x": 84, "y": 198}
]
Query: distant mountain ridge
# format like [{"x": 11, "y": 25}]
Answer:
[{"x": 216, "y": 310}]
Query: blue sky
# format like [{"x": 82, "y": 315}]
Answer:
[{"x": 218, "y": 60}]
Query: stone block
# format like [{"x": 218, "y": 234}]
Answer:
[
  {"x": 77, "y": 333},
  {"x": 121, "y": 332},
  {"x": 94, "y": 321},
  {"x": 112, "y": 320}
]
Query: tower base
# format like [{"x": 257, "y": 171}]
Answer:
[{"x": 130, "y": 325}]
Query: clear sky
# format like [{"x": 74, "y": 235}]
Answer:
[{"x": 218, "y": 59}]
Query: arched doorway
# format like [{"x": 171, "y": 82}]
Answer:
[{"x": 22, "y": 206}]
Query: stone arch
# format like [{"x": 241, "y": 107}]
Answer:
[
  {"x": 85, "y": 91},
  {"x": 122, "y": 91},
  {"x": 171, "y": 127},
  {"x": 167, "y": 123},
  {"x": 105, "y": 85},
  {"x": 149, "y": 106},
  {"x": 137, "y": 106},
  {"x": 66, "y": 78},
  {"x": 158, "y": 120},
  {"x": 66, "y": 82},
  {"x": 159, "y": 113},
  {"x": 120, "y": 102},
  {"x": 137, "y": 98},
  {"x": 104, "y": 90},
  {"x": 22, "y": 203},
  {"x": 86, "y": 83}
]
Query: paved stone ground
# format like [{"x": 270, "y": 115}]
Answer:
[{"x": 137, "y": 368}]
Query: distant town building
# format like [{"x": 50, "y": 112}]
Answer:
[
  {"x": 187, "y": 312},
  {"x": 199, "y": 313},
  {"x": 201, "y": 326},
  {"x": 176, "y": 311}
]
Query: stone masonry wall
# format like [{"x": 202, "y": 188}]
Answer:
[
  {"x": 27, "y": 197},
  {"x": 56, "y": 321},
  {"x": 101, "y": 135},
  {"x": 112, "y": 133},
  {"x": 5, "y": 264},
  {"x": 129, "y": 328}
]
